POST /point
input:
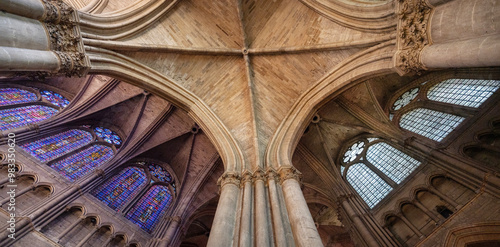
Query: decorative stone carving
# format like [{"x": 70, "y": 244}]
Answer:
[
  {"x": 246, "y": 177},
  {"x": 229, "y": 178},
  {"x": 57, "y": 11},
  {"x": 61, "y": 23},
  {"x": 413, "y": 35},
  {"x": 289, "y": 172},
  {"x": 271, "y": 174},
  {"x": 259, "y": 175}
]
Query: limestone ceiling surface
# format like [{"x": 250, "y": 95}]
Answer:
[{"x": 250, "y": 61}]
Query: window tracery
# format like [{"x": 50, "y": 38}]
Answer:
[
  {"x": 374, "y": 168},
  {"x": 149, "y": 186},
  {"x": 13, "y": 115},
  {"x": 412, "y": 110}
]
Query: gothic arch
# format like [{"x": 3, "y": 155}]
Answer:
[{"x": 462, "y": 236}]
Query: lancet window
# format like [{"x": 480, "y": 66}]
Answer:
[
  {"x": 374, "y": 168},
  {"x": 142, "y": 192},
  {"x": 435, "y": 108},
  {"x": 20, "y": 107}
]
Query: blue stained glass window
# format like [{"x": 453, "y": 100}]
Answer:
[
  {"x": 55, "y": 98},
  {"x": 147, "y": 212},
  {"x": 57, "y": 145},
  {"x": 9, "y": 96},
  {"x": 160, "y": 173},
  {"x": 83, "y": 162},
  {"x": 22, "y": 116},
  {"x": 367, "y": 183},
  {"x": 108, "y": 135},
  {"x": 120, "y": 188}
]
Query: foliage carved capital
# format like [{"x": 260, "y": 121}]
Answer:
[
  {"x": 413, "y": 35},
  {"x": 289, "y": 172},
  {"x": 229, "y": 178}
]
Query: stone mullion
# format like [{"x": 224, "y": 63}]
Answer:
[
  {"x": 436, "y": 217},
  {"x": 71, "y": 227},
  {"x": 87, "y": 237},
  {"x": 410, "y": 225},
  {"x": 223, "y": 226}
]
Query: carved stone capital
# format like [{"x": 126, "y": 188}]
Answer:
[
  {"x": 259, "y": 174},
  {"x": 63, "y": 37},
  {"x": 271, "y": 174},
  {"x": 289, "y": 172},
  {"x": 413, "y": 35},
  {"x": 229, "y": 178},
  {"x": 57, "y": 11},
  {"x": 73, "y": 63},
  {"x": 246, "y": 177}
]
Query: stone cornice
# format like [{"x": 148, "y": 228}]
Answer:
[{"x": 413, "y": 35}]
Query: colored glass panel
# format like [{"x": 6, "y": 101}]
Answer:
[
  {"x": 147, "y": 212},
  {"x": 432, "y": 124},
  {"x": 55, "y": 98},
  {"x": 465, "y": 92},
  {"x": 10, "y": 96},
  {"x": 108, "y": 135},
  {"x": 394, "y": 163},
  {"x": 83, "y": 162},
  {"x": 160, "y": 173},
  {"x": 22, "y": 116},
  {"x": 120, "y": 188},
  {"x": 57, "y": 145},
  {"x": 368, "y": 184}
]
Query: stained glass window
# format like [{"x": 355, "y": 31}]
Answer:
[
  {"x": 121, "y": 188},
  {"x": 465, "y": 92},
  {"x": 108, "y": 135},
  {"x": 10, "y": 96},
  {"x": 55, "y": 98},
  {"x": 405, "y": 99},
  {"x": 394, "y": 163},
  {"x": 22, "y": 116},
  {"x": 368, "y": 184},
  {"x": 57, "y": 145},
  {"x": 83, "y": 162},
  {"x": 160, "y": 173},
  {"x": 151, "y": 207},
  {"x": 429, "y": 123}
]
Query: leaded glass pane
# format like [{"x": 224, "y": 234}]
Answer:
[
  {"x": 465, "y": 92},
  {"x": 57, "y": 145},
  {"x": 10, "y": 96},
  {"x": 368, "y": 184},
  {"x": 83, "y": 162},
  {"x": 147, "y": 212},
  {"x": 342, "y": 168},
  {"x": 394, "y": 163},
  {"x": 121, "y": 188},
  {"x": 22, "y": 116},
  {"x": 429, "y": 123},
  {"x": 405, "y": 99},
  {"x": 353, "y": 152},
  {"x": 160, "y": 173},
  {"x": 55, "y": 98},
  {"x": 108, "y": 135}
]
